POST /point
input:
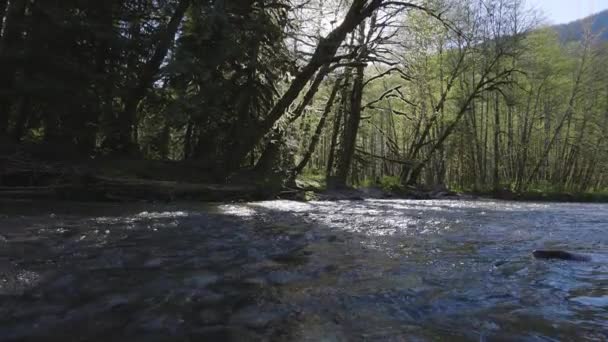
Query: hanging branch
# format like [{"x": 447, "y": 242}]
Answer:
[
  {"x": 382, "y": 97},
  {"x": 385, "y": 73}
]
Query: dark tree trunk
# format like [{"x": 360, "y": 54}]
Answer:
[
  {"x": 3, "y": 4},
  {"x": 337, "y": 125},
  {"x": 188, "y": 140},
  {"x": 35, "y": 45},
  {"x": 325, "y": 51},
  {"x": 246, "y": 113},
  {"x": 495, "y": 174},
  {"x": 351, "y": 126},
  {"x": 269, "y": 160},
  {"x": 310, "y": 94},
  {"x": 165, "y": 141},
  {"x": 22, "y": 117},
  {"x": 334, "y": 140},
  {"x": 145, "y": 81},
  {"x": 270, "y": 155},
  {"x": 9, "y": 47},
  {"x": 104, "y": 59}
]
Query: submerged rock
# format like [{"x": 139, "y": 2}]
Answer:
[{"x": 559, "y": 255}]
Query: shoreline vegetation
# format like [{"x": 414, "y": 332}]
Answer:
[{"x": 125, "y": 180}]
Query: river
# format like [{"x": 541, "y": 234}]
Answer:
[{"x": 373, "y": 270}]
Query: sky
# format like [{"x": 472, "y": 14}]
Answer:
[{"x": 564, "y": 11}]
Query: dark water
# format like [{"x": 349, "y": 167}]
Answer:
[{"x": 375, "y": 270}]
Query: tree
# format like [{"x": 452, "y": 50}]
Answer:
[{"x": 10, "y": 46}]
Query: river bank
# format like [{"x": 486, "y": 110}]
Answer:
[{"x": 116, "y": 180}]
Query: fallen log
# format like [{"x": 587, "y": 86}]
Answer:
[{"x": 122, "y": 190}]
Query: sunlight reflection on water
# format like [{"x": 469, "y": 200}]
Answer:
[{"x": 353, "y": 270}]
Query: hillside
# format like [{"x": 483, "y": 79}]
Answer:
[{"x": 574, "y": 30}]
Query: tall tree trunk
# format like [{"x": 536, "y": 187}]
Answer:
[
  {"x": 526, "y": 134},
  {"x": 464, "y": 107},
  {"x": 315, "y": 138},
  {"x": 126, "y": 140},
  {"x": 3, "y": 4},
  {"x": 164, "y": 142},
  {"x": 247, "y": 115},
  {"x": 351, "y": 126},
  {"x": 271, "y": 154},
  {"x": 337, "y": 125},
  {"x": 323, "y": 54},
  {"x": 496, "y": 165},
  {"x": 10, "y": 44},
  {"x": 485, "y": 130},
  {"x": 574, "y": 155},
  {"x": 188, "y": 140},
  {"x": 566, "y": 116},
  {"x": 544, "y": 164},
  {"x": 510, "y": 138},
  {"x": 104, "y": 59},
  {"x": 23, "y": 114}
]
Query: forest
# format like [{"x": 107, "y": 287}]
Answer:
[
  {"x": 303, "y": 170},
  {"x": 473, "y": 95}
]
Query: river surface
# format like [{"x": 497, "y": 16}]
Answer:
[{"x": 373, "y": 270}]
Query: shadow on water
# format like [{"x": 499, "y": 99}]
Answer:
[{"x": 336, "y": 271}]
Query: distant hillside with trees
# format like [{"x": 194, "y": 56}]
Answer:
[{"x": 575, "y": 30}]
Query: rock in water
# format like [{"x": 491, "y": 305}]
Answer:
[{"x": 560, "y": 255}]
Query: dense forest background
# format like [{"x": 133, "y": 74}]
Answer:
[{"x": 468, "y": 94}]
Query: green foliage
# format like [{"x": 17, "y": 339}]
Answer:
[
  {"x": 390, "y": 183},
  {"x": 225, "y": 73},
  {"x": 386, "y": 183},
  {"x": 311, "y": 181}
]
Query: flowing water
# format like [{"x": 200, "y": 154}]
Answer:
[{"x": 373, "y": 270}]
